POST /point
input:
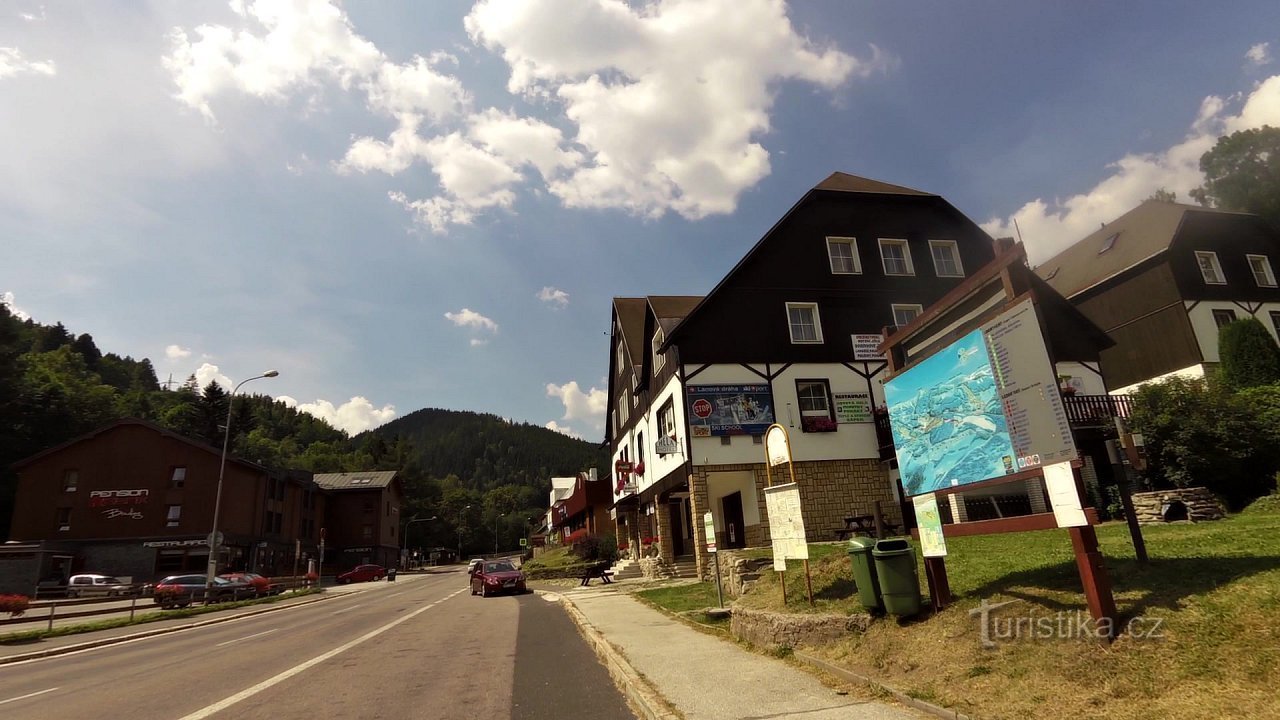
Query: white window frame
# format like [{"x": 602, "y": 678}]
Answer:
[
  {"x": 817, "y": 323},
  {"x": 906, "y": 255},
  {"x": 1268, "y": 275},
  {"x": 919, "y": 310},
  {"x": 620, "y": 356},
  {"x": 954, "y": 247},
  {"x": 824, "y": 411},
  {"x": 624, "y": 410},
  {"x": 852, "y": 244},
  {"x": 667, "y": 419},
  {"x": 1213, "y": 313},
  {"x": 1221, "y": 279},
  {"x": 659, "y": 358}
]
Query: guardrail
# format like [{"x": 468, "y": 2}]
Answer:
[{"x": 68, "y": 608}]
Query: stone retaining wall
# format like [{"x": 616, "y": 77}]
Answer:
[
  {"x": 1201, "y": 504},
  {"x": 773, "y": 630}
]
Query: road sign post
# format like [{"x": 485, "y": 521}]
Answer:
[{"x": 709, "y": 529}]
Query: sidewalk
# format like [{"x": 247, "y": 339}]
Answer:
[{"x": 700, "y": 676}]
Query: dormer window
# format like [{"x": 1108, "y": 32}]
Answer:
[
  {"x": 659, "y": 358},
  {"x": 1261, "y": 267},
  {"x": 1210, "y": 270},
  {"x": 1109, "y": 243},
  {"x": 843, "y": 254}
]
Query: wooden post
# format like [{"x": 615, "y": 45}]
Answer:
[
  {"x": 782, "y": 580},
  {"x": 1093, "y": 575},
  {"x": 878, "y": 516},
  {"x": 808, "y": 581},
  {"x": 935, "y": 571},
  {"x": 1135, "y": 530}
]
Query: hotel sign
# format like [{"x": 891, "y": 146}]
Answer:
[
  {"x": 666, "y": 446},
  {"x": 107, "y": 498}
]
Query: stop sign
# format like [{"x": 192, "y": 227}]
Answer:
[{"x": 702, "y": 408}]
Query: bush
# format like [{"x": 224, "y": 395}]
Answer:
[
  {"x": 1249, "y": 355},
  {"x": 1197, "y": 434},
  {"x": 596, "y": 549},
  {"x": 15, "y": 605}
]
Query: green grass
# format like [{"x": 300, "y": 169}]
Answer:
[
  {"x": 1214, "y": 588},
  {"x": 141, "y": 618},
  {"x": 553, "y": 558},
  {"x": 688, "y": 602}
]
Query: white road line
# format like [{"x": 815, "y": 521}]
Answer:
[
  {"x": 353, "y": 607},
  {"x": 250, "y": 692},
  {"x": 395, "y": 594},
  {"x": 28, "y": 695},
  {"x": 246, "y": 637}
]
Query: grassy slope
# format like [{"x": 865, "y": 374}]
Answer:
[{"x": 1215, "y": 588}]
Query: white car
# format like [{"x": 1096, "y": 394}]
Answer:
[{"x": 89, "y": 584}]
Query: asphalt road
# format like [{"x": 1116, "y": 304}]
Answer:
[{"x": 419, "y": 648}]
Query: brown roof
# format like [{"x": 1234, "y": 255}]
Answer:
[
  {"x": 844, "y": 182},
  {"x": 142, "y": 423},
  {"x": 630, "y": 313},
  {"x": 1140, "y": 234},
  {"x": 355, "y": 481}
]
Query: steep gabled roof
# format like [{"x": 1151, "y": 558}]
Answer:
[
  {"x": 669, "y": 310},
  {"x": 630, "y": 312},
  {"x": 1135, "y": 237},
  {"x": 141, "y": 423},
  {"x": 836, "y": 182},
  {"x": 355, "y": 481}
]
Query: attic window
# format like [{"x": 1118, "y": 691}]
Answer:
[
  {"x": 1109, "y": 242},
  {"x": 365, "y": 480},
  {"x": 1052, "y": 274}
]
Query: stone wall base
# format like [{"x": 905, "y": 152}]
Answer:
[
  {"x": 656, "y": 568},
  {"x": 1201, "y": 505},
  {"x": 773, "y": 630}
]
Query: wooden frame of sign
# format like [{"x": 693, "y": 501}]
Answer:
[
  {"x": 996, "y": 289},
  {"x": 774, "y": 455}
]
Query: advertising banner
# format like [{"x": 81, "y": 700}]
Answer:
[
  {"x": 852, "y": 407},
  {"x": 786, "y": 524},
  {"x": 716, "y": 410}
]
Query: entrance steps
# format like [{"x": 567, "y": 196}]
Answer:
[
  {"x": 626, "y": 570},
  {"x": 685, "y": 566}
]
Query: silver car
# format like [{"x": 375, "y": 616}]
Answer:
[{"x": 89, "y": 584}]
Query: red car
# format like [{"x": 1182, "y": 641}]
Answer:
[
  {"x": 261, "y": 585},
  {"x": 495, "y": 576},
  {"x": 363, "y": 573}
]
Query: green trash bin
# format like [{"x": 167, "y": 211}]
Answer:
[
  {"x": 896, "y": 571},
  {"x": 864, "y": 572}
]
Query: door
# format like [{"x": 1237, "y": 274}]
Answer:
[
  {"x": 735, "y": 534},
  {"x": 676, "y": 514}
]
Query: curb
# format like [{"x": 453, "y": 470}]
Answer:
[
  {"x": 897, "y": 694},
  {"x": 640, "y": 695},
  {"x": 103, "y": 642}
]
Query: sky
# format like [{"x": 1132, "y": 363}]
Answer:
[{"x": 401, "y": 205}]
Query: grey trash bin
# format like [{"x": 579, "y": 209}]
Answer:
[{"x": 896, "y": 571}]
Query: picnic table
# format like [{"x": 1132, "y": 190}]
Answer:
[
  {"x": 599, "y": 570},
  {"x": 863, "y": 525}
]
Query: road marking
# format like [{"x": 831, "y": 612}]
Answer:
[
  {"x": 353, "y": 607},
  {"x": 246, "y": 637},
  {"x": 28, "y": 695},
  {"x": 250, "y": 692},
  {"x": 395, "y": 594}
]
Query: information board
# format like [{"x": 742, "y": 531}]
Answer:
[
  {"x": 984, "y": 406},
  {"x": 852, "y": 407},
  {"x": 929, "y": 524},
  {"x": 786, "y": 524}
]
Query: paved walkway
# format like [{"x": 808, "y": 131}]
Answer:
[{"x": 706, "y": 678}]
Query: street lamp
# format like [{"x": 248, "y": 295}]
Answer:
[
  {"x": 214, "y": 540},
  {"x": 461, "y": 513},
  {"x": 495, "y": 531},
  {"x": 404, "y": 536}
]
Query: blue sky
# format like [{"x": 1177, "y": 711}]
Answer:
[{"x": 403, "y": 204}]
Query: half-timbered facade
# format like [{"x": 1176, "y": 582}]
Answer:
[{"x": 787, "y": 336}]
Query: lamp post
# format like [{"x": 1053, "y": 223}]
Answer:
[
  {"x": 495, "y": 531},
  {"x": 461, "y": 514},
  {"x": 214, "y": 540},
  {"x": 404, "y": 536}
]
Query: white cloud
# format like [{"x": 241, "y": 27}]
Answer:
[
  {"x": 354, "y": 416},
  {"x": 669, "y": 100},
  {"x": 578, "y": 405},
  {"x": 472, "y": 319},
  {"x": 208, "y": 372},
  {"x": 416, "y": 87},
  {"x": 477, "y": 342},
  {"x": 1259, "y": 55},
  {"x": 553, "y": 296},
  {"x": 6, "y": 299},
  {"x": 176, "y": 352},
  {"x": 304, "y": 42},
  {"x": 12, "y": 64},
  {"x": 1049, "y": 227},
  {"x": 564, "y": 430}
]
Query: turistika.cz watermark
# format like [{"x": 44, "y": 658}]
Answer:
[{"x": 1062, "y": 625}]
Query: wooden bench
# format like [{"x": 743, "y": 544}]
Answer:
[
  {"x": 863, "y": 525},
  {"x": 599, "y": 570}
]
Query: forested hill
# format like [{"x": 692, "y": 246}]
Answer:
[{"x": 485, "y": 451}]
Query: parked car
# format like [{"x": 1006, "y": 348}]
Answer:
[
  {"x": 362, "y": 573},
  {"x": 181, "y": 590},
  {"x": 262, "y": 585},
  {"x": 495, "y": 576},
  {"x": 90, "y": 584}
]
